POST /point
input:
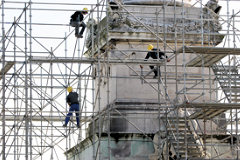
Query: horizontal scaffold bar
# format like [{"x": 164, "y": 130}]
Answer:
[
  {"x": 211, "y": 105},
  {"x": 91, "y": 60},
  {"x": 40, "y": 118},
  {"x": 209, "y": 50}
]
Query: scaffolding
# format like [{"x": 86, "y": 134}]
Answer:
[{"x": 190, "y": 110}]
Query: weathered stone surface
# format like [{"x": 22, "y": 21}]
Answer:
[{"x": 142, "y": 23}]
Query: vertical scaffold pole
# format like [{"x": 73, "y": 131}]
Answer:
[
  {"x": 30, "y": 77},
  {"x": 51, "y": 101},
  {"x": 160, "y": 151},
  {"x": 229, "y": 65},
  {"x": 26, "y": 88},
  {"x": 184, "y": 79},
  {"x": 237, "y": 119},
  {"x": 66, "y": 51},
  {"x": 165, "y": 76},
  {"x": 176, "y": 73},
  {"x": 93, "y": 93},
  {"x": 15, "y": 91},
  {"x": 3, "y": 86},
  {"x": 99, "y": 86},
  {"x": 202, "y": 73},
  {"x": 108, "y": 81},
  {"x": 79, "y": 90},
  {"x": 42, "y": 103}
]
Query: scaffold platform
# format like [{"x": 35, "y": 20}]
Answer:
[
  {"x": 6, "y": 68},
  {"x": 209, "y": 110},
  {"x": 207, "y": 55}
]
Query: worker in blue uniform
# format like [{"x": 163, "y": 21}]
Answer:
[{"x": 72, "y": 100}]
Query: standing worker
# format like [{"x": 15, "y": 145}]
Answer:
[
  {"x": 155, "y": 54},
  {"x": 77, "y": 21},
  {"x": 72, "y": 100}
]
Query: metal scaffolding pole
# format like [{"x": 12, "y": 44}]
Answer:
[
  {"x": 26, "y": 89},
  {"x": 99, "y": 74},
  {"x": 15, "y": 97},
  {"x": 108, "y": 68},
  {"x": 3, "y": 153},
  {"x": 31, "y": 86}
]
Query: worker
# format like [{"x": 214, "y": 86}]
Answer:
[
  {"x": 170, "y": 156},
  {"x": 155, "y": 54},
  {"x": 72, "y": 100},
  {"x": 77, "y": 21}
]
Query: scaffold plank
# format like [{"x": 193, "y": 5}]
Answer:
[
  {"x": 206, "y": 114},
  {"x": 6, "y": 68},
  {"x": 210, "y": 105},
  {"x": 209, "y": 110},
  {"x": 205, "y": 60},
  {"x": 211, "y": 55}
]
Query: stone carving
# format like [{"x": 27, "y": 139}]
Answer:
[
  {"x": 128, "y": 23},
  {"x": 211, "y": 11},
  {"x": 121, "y": 21},
  {"x": 92, "y": 31}
]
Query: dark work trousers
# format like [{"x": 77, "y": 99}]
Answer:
[
  {"x": 73, "y": 107},
  {"x": 155, "y": 70},
  {"x": 83, "y": 25}
]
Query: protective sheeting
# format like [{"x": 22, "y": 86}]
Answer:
[{"x": 154, "y": 2}]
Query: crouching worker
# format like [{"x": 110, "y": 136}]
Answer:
[
  {"x": 77, "y": 21},
  {"x": 72, "y": 100},
  {"x": 155, "y": 54}
]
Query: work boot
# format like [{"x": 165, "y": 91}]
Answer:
[
  {"x": 80, "y": 36},
  {"x": 155, "y": 76},
  {"x": 64, "y": 125}
]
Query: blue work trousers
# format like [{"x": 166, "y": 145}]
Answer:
[{"x": 73, "y": 107}]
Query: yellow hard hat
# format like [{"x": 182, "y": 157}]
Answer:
[
  {"x": 150, "y": 47},
  {"x": 69, "y": 89},
  {"x": 85, "y": 10}
]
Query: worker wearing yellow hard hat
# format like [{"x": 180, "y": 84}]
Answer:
[
  {"x": 69, "y": 89},
  {"x": 85, "y": 11},
  {"x": 155, "y": 54},
  {"x": 72, "y": 100},
  {"x": 150, "y": 47},
  {"x": 77, "y": 21}
]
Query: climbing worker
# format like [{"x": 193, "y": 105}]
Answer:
[
  {"x": 170, "y": 156},
  {"x": 72, "y": 100},
  {"x": 155, "y": 54},
  {"x": 77, "y": 21}
]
